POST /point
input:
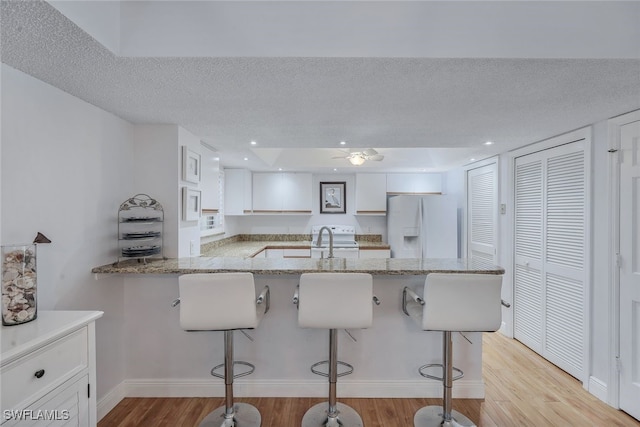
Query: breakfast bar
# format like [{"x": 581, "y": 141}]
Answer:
[{"x": 164, "y": 360}]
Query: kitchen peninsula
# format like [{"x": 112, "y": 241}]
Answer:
[{"x": 163, "y": 360}]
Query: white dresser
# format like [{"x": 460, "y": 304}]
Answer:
[{"x": 48, "y": 370}]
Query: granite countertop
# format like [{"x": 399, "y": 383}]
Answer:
[
  {"x": 246, "y": 249},
  {"x": 375, "y": 266}
]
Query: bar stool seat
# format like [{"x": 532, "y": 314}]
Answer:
[
  {"x": 224, "y": 302},
  {"x": 334, "y": 301},
  {"x": 452, "y": 303}
]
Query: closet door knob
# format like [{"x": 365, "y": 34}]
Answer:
[{"x": 40, "y": 373}]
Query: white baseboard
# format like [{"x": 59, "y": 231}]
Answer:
[
  {"x": 598, "y": 389},
  {"x": 110, "y": 400},
  {"x": 272, "y": 388}
]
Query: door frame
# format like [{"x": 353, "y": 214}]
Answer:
[
  {"x": 614, "y": 124},
  {"x": 506, "y": 327},
  {"x": 465, "y": 217}
]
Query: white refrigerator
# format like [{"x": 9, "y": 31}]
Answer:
[{"x": 422, "y": 226}]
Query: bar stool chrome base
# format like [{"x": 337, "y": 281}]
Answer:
[
  {"x": 431, "y": 416},
  {"x": 245, "y": 415},
  {"x": 318, "y": 416}
]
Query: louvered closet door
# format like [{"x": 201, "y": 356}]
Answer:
[
  {"x": 528, "y": 251},
  {"x": 550, "y": 276},
  {"x": 482, "y": 196}
]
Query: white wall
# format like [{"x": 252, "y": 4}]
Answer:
[
  {"x": 158, "y": 154},
  {"x": 156, "y": 174},
  {"x": 66, "y": 167}
]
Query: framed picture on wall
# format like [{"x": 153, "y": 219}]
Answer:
[
  {"x": 333, "y": 197},
  {"x": 190, "y": 165},
  {"x": 191, "y": 204}
]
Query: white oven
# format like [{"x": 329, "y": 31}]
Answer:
[{"x": 344, "y": 243}]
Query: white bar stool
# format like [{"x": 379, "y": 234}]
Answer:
[
  {"x": 334, "y": 301},
  {"x": 452, "y": 303},
  {"x": 224, "y": 302}
]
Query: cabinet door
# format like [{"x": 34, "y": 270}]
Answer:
[
  {"x": 237, "y": 191},
  {"x": 67, "y": 405},
  {"x": 275, "y": 253},
  {"x": 371, "y": 193},
  {"x": 210, "y": 183},
  {"x": 296, "y": 192},
  {"x": 281, "y": 192},
  {"x": 267, "y": 192}
]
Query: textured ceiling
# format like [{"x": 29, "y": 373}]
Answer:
[{"x": 297, "y": 102}]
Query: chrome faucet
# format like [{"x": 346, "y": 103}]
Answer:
[{"x": 319, "y": 242}]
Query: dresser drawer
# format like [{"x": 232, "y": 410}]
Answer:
[{"x": 54, "y": 363}]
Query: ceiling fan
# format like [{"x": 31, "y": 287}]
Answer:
[{"x": 357, "y": 158}]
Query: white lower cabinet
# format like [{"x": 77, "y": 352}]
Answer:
[
  {"x": 274, "y": 253},
  {"x": 375, "y": 253},
  {"x": 288, "y": 253},
  {"x": 48, "y": 370}
]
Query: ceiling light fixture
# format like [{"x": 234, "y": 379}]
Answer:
[
  {"x": 356, "y": 159},
  {"x": 343, "y": 142},
  {"x": 253, "y": 143},
  {"x": 488, "y": 143},
  {"x": 246, "y": 158}
]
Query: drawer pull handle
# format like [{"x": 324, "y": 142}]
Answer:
[{"x": 40, "y": 373}]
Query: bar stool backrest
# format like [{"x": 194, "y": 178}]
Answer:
[
  {"x": 335, "y": 300},
  {"x": 217, "y": 301},
  {"x": 462, "y": 302}
]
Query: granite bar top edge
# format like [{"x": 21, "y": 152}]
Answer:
[{"x": 266, "y": 266}]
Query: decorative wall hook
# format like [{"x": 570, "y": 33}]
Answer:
[{"x": 41, "y": 238}]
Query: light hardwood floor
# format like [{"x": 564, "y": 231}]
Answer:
[{"x": 522, "y": 389}]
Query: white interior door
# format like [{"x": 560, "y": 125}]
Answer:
[
  {"x": 630, "y": 269},
  {"x": 482, "y": 213},
  {"x": 550, "y": 274}
]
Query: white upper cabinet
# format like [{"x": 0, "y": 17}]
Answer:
[
  {"x": 371, "y": 194},
  {"x": 296, "y": 189},
  {"x": 210, "y": 183},
  {"x": 267, "y": 193},
  {"x": 237, "y": 191},
  {"x": 282, "y": 192},
  {"x": 414, "y": 183}
]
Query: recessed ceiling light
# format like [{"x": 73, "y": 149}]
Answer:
[
  {"x": 343, "y": 142},
  {"x": 253, "y": 143},
  {"x": 246, "y": 158},
  {"x": 472, "y": 160},
  {"x": 279, "y": 169},
  {"x": 488, "y": 143},
  {"x": 335, "y": 170},
  {"x": 216, "y": 158}
]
